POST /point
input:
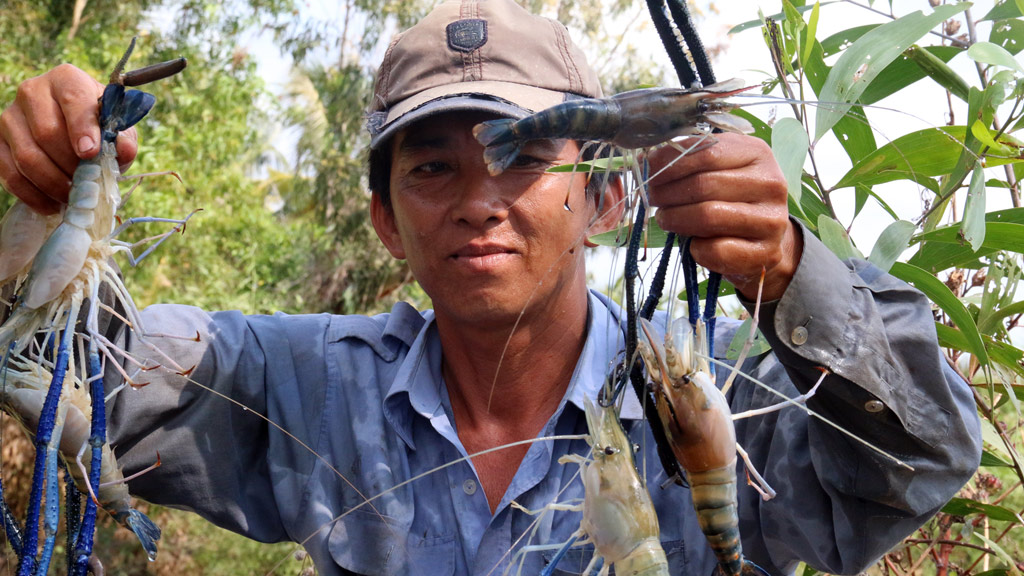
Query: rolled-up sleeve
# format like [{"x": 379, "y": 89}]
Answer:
[{"x": 902, "y": 434}]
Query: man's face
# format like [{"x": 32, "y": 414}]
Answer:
[{"x": 484, "y": 247}]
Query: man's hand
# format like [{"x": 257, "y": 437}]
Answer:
[
  {"x": 52, "y": 124},
  {"x": 731, "y": 198}
]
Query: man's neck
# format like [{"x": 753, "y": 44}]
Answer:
[{"x": 504, "y": 384}]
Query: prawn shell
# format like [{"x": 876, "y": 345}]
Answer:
[
  {"x": 618, "y": 513},
  {"x": 22, "y": 234},
  {"x": 58, "y": 262}
]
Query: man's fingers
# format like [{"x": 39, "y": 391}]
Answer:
[
  {"x": 725, "y": 219},
  {"x": 30, "y": 163},
  {"x": 78, "y": 99},
  {"x": 127, "y": 147},
  {"x": 18, "y": 185}
]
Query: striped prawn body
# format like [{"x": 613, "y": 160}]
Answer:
[
  {"x": 631, "y": 120},
  {"x": 700, "y": 429}
]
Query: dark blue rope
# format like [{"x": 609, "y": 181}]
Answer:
[
  {"x": 72, "y": 515},
  {"x": 83, "y": 548}
]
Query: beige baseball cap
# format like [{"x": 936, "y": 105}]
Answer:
[{"x": 488, "y": 55}]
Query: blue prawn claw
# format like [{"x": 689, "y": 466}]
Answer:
[
  {"x": 145, "y": 530},
  {"x": 121, "y": 109}
]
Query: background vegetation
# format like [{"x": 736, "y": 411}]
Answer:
[{"x": 287, "y": 230}]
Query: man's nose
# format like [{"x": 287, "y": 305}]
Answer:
[{"x": 480, "y": 200}]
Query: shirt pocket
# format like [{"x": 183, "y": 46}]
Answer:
[
  {"x": 373, "y": 545},
  {"x": 575, "y": 561}
]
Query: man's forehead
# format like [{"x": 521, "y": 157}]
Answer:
[{"x": 447, "y": 130}]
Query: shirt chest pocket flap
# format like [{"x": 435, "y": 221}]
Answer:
[{"x": 373, "y": 545}]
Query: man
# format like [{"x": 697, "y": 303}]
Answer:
[{"x": 516, "y": 341}]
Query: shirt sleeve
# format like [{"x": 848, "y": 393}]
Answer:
[
  {"x": 902, "y": 433},
  {"x": 207, "y": 412}
]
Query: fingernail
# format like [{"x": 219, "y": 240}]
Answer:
[{"x": 85, "y": 144}]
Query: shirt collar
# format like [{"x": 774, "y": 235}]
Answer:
[{"x": 417, "y": 386}]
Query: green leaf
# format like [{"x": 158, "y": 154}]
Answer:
[
  {"x": 861, "y": 63},
  {"x": 853, "y": 131},
  {"x": 1006, "y": 558},
  {"x": 991, "y": 460},
  {"x": 989, "y": 53},
  {"x": 1009, "y": 34},
  {"x": 892, "y": 242},
  {"x": 844, "y": 38},
  {"x": 789, "y": 145},
  {"x": 597, "y": 165},
  {"x": 946, "y": 250},
  {"x": 972, "y": 229},
  {"x": 724, "y": 289},
  {"x": 812, "y": 29},
  {"x": 930, "y": 61},
  {"x": 778, "y": 17},
  {"x": 980, "y": 131},
  {"x": 915, "y": 156},
  {"x": 761, "y": 129},
  {"x": 966, "y": 507},
  {"x": 739, "y": 340},
  {"x": 941, "y": 295},
  {"x": 1008, "y": 9},
  {"x": 835, "y": 237},
  {"x": 655, "y": 236}
]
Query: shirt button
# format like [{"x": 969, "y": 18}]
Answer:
[
  {"x": 469, "y": 487},
  {"x": 799, "y": 335},
  {"x": 874, "y": 406}
]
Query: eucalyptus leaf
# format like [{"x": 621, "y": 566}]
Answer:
[
  {"x": 892, "y": 242},
  {"x": 789, "y": 145},
  {"x": 924, "y": 153},
  {"x": 835, "y": 237},
  {"x": 1004, "y": 10},
  {"x": 941, "y": 253},
  {"x": 991, "y": 460},
  {"x": 940, "y": 294},
  {"x": 1009, "y": 34},
  {"x": 812, "y": 29},
  {"x": 778, "y": 17},
  {"x": 989, "y": 53},
  {"x": 655, "y": 236},
  {"x": 966, "y": 507},
  {"x": 843, "y": 39},
  {"x": 739, "y": 340},
  {"x": 597, "y": 165},
  {"x": 999, "y": 551},
  {"x": 858, "y": 66},
  {"x": 972, "y": 228}
]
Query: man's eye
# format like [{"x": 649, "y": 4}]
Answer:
[
  {"x": 431, "y": 167},
  {"x": 525, "y": 161}
]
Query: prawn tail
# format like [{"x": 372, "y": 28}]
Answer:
[
  {"x": 501, "y": 146},
  {"x": 747, "y": 568},
  {"x": 145, "y": 530}
]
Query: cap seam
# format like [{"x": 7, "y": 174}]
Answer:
[{"x": 575, "y": 81}]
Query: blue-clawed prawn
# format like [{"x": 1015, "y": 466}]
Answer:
[
  {"x": 50, "y": 352},
  {"x": 631, "y": 120}
]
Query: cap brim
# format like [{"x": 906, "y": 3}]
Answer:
[{"x": 502, "y": 98}]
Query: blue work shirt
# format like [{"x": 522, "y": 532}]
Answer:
[{"x": 360, "y": 412}]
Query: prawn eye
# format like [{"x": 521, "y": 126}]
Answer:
[{"x": 610, "y": 450}]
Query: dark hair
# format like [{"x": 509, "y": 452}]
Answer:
[{"x": 379, "y": 170}]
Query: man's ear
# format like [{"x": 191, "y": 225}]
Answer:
[
  {"x": 612, "y": 207},
  {"x": 383, "y": 218}
]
